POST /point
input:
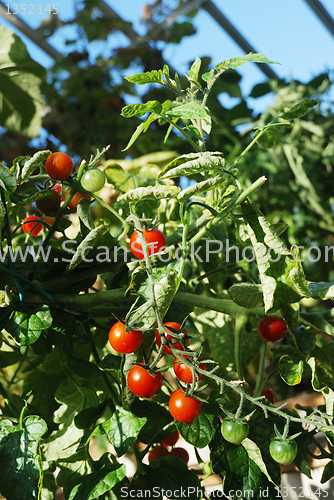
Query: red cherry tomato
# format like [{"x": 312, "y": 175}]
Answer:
[
  {"x": 75, "y": 200},
  {"x": 171, "y": 440},
  {"x": 184, "y": 409},
  {"x": 155, "y": 241},
  {"x": 268, "y": 394},
  {"x": 50, "y": 204},
  {"x": 141, "y": 383},
  {"x": 32, "y": 225},
  {"x": 157, "y": 452},
  {"x": 58, "y": 188},
  {"x": 59, "y": 166},
  {"x": 183, "y": 372},
  {"x": 181, "y": 453},
  {"x": 124, "y": 342},
  {"x": 176, "y": 344},
  {"x": 272, "y": 329}
]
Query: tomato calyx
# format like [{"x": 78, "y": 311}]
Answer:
[
  {"x": 283, "y": 448},
  {"x": 177, "y": 338},
  {"x": 142, "y": 381}
]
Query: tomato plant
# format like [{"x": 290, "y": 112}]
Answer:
[
  {"x": 184, "y": 408},
  {"x": 59, "y": 166},
  {"x": 93, "y": 180},
  {"x": 142, "y": 383},
  {"x": 155, "y": 240},
  {"x": 272, "y": 329},
  {"x": 66, "y": 376},
  {"x": 184, "y": 373},
  {"x": 176, "y": 344},
  {"x": 75, "y": 199},
  {"x": 32, "y": 225},
  {"x": 122, "y": 341},
  {"x": 234, "y": 431},
  {"x": 283, "y": 451}
]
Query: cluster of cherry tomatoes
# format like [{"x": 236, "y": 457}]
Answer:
[
  {"x": 163, "y": 451},
  {"x": 144, "y": 383},
  {"x": 59, "y": 167}
]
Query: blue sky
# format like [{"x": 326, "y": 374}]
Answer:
[{"x": 287, "y": 31}]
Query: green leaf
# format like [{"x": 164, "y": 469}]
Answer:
[
  {"x": 190, "y": 111},
  {"x": 26, "y": 324},
  {"x": 194, "y": 163},
  {"x": 7, "y": 179},
  {"x": 306, "y": 338},
  {"x": 19, "y": 458},
  {"x": 21, "y": 100},
  {"x": 27, "y": 167},
  {"x": 169, "y": 278},
  {"x": 87, "y": 243},
  {"x": 254, "y": 454},
  {"x": 194, "y": 70},
  {"x": 327, "y": 473},
  {"x": 141, "y": 109},
  {"x": 73, "y": 397},
  {"x": 142, "y": 128},
  {"x": 151, "y": 192},
  {"x": 240, "y": 470},
  {"x": 92, "y": 486},
  {"x": 147, "y": 77},
  {"x": 269, "y": 137},
  {"x": 110, "y": 362},
  {"x": 281, "y": 273},
  {"x": 157, "y": 416},
  {"x": 203, "y": 428},
  {"x": 124, "y": 429},
  {"x": 299, "y": 109},
  {"x": 8, "y": 358},
  {"x": 201, "y": 187},
  {"x": 290, "y": 370},
  {"x": 321, "y": 290},
  {"x": 80, "y": 367},
  {"x": 234, "y": 63},
  {"x": 88, "y": 416},
  {"x": 320, "y": 379},
  {"x": 84, "y": 214},
  {"x": 246, "y": 294},
  {"x": 168, "y": 474},
  {"x": 122, "y": 180}
]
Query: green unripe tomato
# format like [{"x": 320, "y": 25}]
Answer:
[
  {"x": 93, "y": 180},
  {"x": 283, "y": 451},
  {"x": 234, "y": 431}
]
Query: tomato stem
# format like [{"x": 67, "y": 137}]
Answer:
[
  {"x": 9, "y": 402},
  {"x": 239, "y": 328},
  {"x": 259, "y": 377}
]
